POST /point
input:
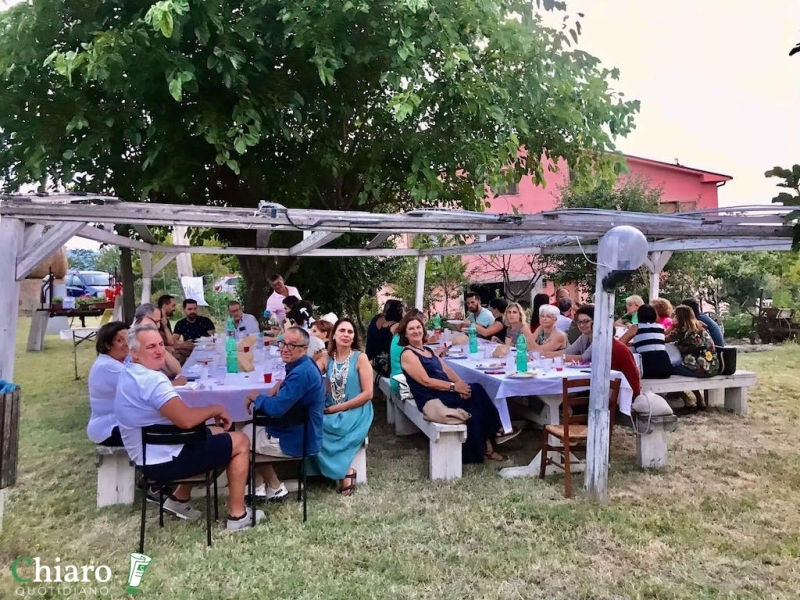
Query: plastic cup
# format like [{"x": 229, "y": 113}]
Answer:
[
  {"x": 267, "y": 377},
  {"x": 559, "y": 363},
  {"x": 246, "y": 349}
]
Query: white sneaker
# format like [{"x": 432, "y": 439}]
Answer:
[
  {"x": 182, "y": 510},
  {"x": 276, "y": 495},
  {"x": 246, "y": 522}
]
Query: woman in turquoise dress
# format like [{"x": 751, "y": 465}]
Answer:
[{"x": 348, "y": 406}]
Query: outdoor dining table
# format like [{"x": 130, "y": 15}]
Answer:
[
  {"x": 230, "y": 391},
  {"x": 548, "y": 387}
]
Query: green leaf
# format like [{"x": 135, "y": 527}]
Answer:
[{"x": 175, "y": 88}]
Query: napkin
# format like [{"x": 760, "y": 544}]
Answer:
[
  {"x": 249, "y": 341},
  {"x": 245, "y": 361}
]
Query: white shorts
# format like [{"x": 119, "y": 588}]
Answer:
[{"x": 265, "y": 444}]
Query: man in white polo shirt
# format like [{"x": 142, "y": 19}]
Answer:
[
  {"x": 275, "y": 300},
  {"x": 146, "y": 397}
]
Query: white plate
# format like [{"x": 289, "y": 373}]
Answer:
[
  {"x": 518, "y": 375},
  {"x": 577, "y": 366},
  {"x": 490, "y": 366},
  {"x": 454, "y": 321}
]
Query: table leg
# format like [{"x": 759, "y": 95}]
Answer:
[{"x": 75, "y": 354}]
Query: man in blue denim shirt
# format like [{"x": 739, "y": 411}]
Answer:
[{"x": 303, "y": 386}]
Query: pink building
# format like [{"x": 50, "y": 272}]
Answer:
[{"x": 684, "y": 189}]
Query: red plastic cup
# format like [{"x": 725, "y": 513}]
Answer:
[
  {"x": 246, "y": 349},
  {"x": 267, "y": 377}
]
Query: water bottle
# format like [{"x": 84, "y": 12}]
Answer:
[
  {"x": 522, "y": 354},
  {"x": 231, "y": 360},
  {"x": 473, "y": 338},
  {"x": 437, "y": 322}
]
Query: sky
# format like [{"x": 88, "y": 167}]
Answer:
[
  {"x": 715, "y": 80},
  {"x": 717, "y": 86}
]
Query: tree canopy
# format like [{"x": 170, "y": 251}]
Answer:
[{"x": 371, "y": 104}]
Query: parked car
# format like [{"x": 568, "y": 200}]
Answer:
[
  {"x": 87, "y": 283},
  {"x": 227, "y": 284}
]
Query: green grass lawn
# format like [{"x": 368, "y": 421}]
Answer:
[{"x": 720, "y": 522}]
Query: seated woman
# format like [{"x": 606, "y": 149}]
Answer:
[
  {"x": 497, "y": 306},
  {"x": 112, "y": 350},
  {"x": 150, "y": 314},
  {"x": 547, "y": 337},
  {"x": 300, "y": 316},
  {"x": 632, "y": 304},
  {"x": 699, "y": 356},
  {"x": 429, "y": 378},
  {"x": 322, "y": 329},
  {"x": 649, "y": 343},
  {"x": 348, "y": 407},
  {"x": 514, "y": 318},
  {"x": 664, "y": 311},
  {"x": 539, "y": 300},
  {"x": 581, "y": 349},
  {"x": 379, "y": 335}
]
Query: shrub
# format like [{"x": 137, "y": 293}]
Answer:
[{"x": 737, "y": 326}]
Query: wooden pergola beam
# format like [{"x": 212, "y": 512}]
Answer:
[{"x": 39, "y": 249}]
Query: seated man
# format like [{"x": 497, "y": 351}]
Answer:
[
  {"x": 243, "y": 323},
  {"x": 193, "y": 326},
  {"x": 303, "y": 386},
  {"x": 146, "y": 397},
  {"x": 178, "y": 348}
]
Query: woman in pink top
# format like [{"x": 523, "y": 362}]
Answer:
[{"x": 664, "y": 311}]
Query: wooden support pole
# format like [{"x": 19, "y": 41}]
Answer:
[
  {"x": 146, "y": 259},
  {"x": 128, "y": 301},
  {"x": 596, "y": 477},
  {"x": 12, "y": 234},
  {"x": 419, "y": 295}
]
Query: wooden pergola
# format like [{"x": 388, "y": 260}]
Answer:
[{"x": 32, "y": 227}]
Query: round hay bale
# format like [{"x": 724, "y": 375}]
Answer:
[{"x": 57, "y": 261}]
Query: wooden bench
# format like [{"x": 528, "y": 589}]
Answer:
[
  {"x": 727, "y": 390},
  {"x": 445, "y": 440},
  {"x": 723, "y": 390},
  {"x": 116, "y": 476}
]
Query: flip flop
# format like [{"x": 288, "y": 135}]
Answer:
[
  {"x": 503, "y": 437},
  {"x": 349, "y": 490}
]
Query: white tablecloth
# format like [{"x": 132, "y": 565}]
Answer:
[
  {"x": 231, "y": 394},
  {"x": 500, "y": 387}
]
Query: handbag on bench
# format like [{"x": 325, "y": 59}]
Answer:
[{"x": 727, "y": 360}]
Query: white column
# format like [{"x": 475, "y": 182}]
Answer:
[
  {"x": 184, "y": 260},
  {"x": 146, "y": 259},
  {"x": 419, "y": 295},
  {"x": 12, "y": 235},
  {"x": 596, "y": 477}
]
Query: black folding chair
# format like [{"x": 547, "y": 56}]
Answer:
[
  {"x": 297, "y": 415},
  {"x": 169, "y": 435}
]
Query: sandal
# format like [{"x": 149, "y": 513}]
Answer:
[
  {"x": 495, "y": 456},
  {"x": 502, "y": 437},
  {"x": 349, "y": 490}
]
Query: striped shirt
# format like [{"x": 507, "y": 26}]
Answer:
[{"x": 649, "y": 338}]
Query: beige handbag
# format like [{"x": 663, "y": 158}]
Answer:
[{"x": 436, "y": 412}]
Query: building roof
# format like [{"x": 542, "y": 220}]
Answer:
[{"x": 705, "y": 176}]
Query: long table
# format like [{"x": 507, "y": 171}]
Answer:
[
  {"x": 231, "y": 394},
  {"x": 548, "y": 387}
]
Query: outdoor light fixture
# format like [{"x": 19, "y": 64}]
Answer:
[
  {"x": 622, "y": 250},
  {"x": 270, "y": 209}
]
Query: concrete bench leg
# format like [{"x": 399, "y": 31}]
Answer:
[
  {"x": 715, "y": 397},
  {"x": 445, "y": 458},
  {"x": 390, "y": 411},
  {"x": 402, "y": 424},
  {"x": 736, "y": 400},
  {"x": 360, "y": 465},
  {"x": 115, "y": 479},
  {"x": 651, "y": 448}
]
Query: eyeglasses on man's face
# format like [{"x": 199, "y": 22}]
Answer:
[{"x": 282, "y": 345}]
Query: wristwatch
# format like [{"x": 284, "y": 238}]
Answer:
[{"x": 452, "y": 387}]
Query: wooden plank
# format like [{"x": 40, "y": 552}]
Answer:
[
  {"x": 312, "y": 241},
  {"x": 162, "y": 263},
  {"x": 378, "y": 240},
  {"x": 145, "y": 233},
  {"x": 39, "y": 249},
  {"x": 107, "y": 237}
]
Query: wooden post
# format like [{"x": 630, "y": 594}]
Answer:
[
  {"x": 146, "y": 259},
  {"x": 128, "y": 301},
  {"x": 183, "y": 260},
  {"x": 12, "y": 233},
  {"x": 419, "y": 295},
  {"x": 655, "y": 264},
  {"x": 596, "y": 477}
]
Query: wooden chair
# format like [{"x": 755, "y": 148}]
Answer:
[{"x": 573, "y": 431}]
